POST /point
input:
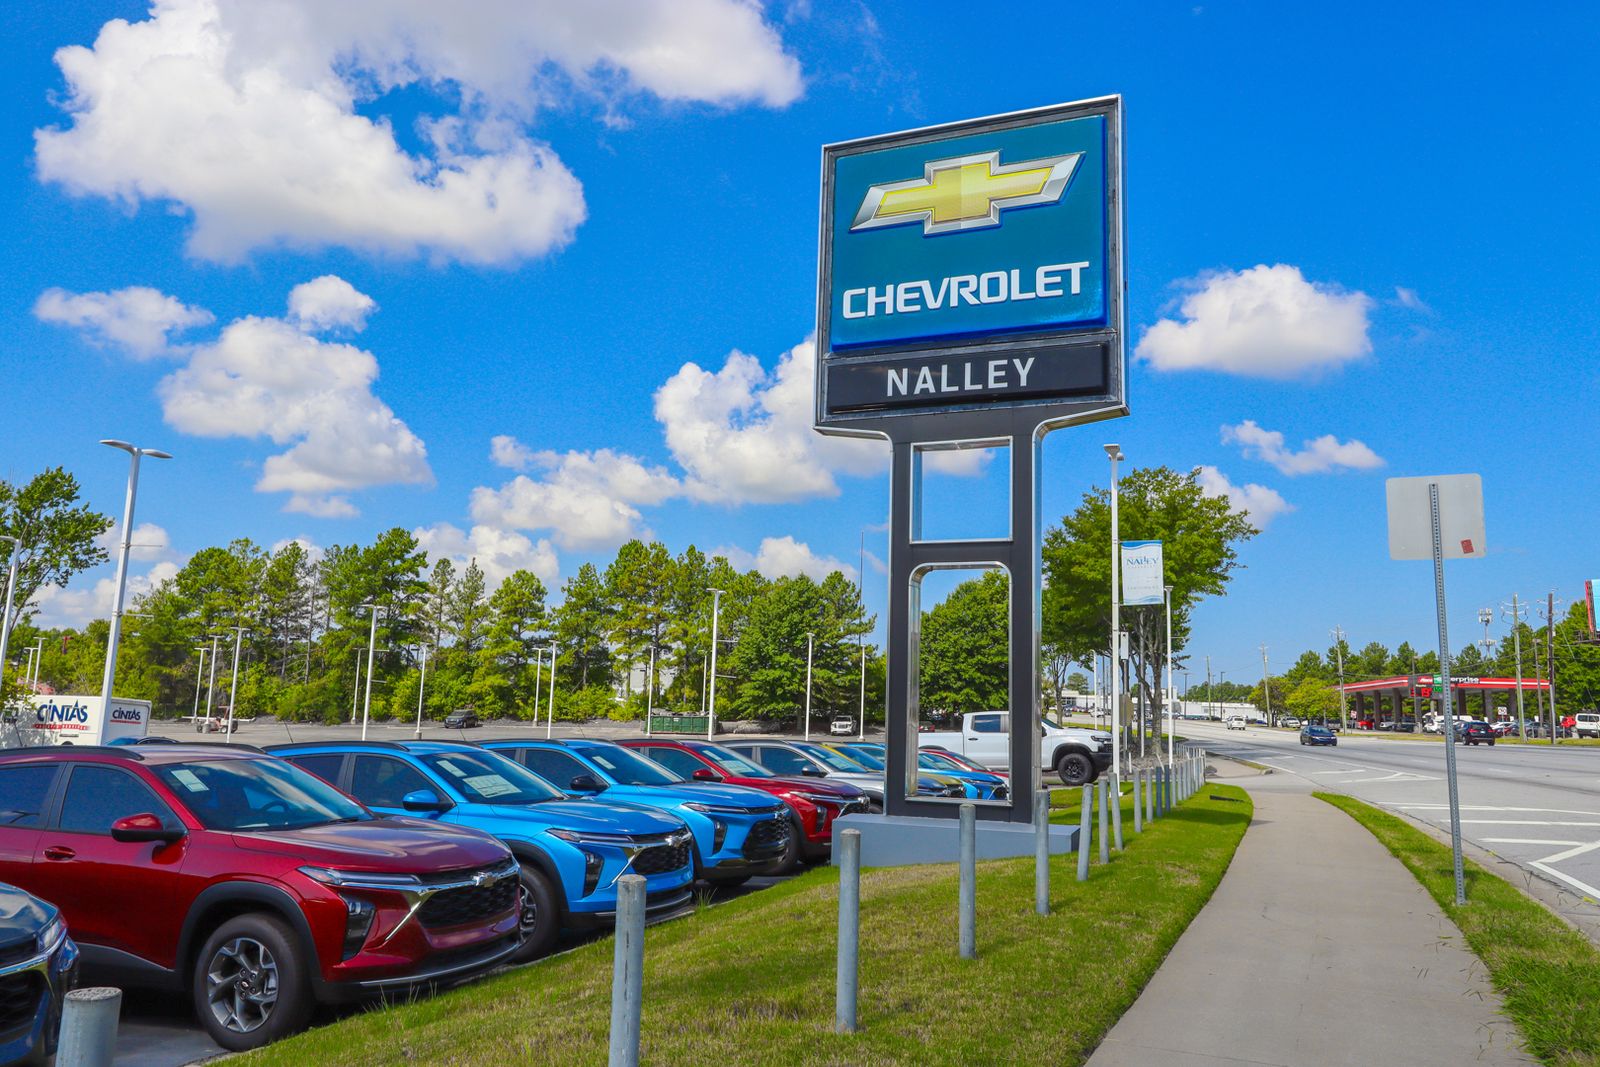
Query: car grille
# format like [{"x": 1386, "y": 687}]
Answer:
[
  {"x": 19, "y": 999},
  {"x": 17, "y": 951},
  {"x": 661, "y": 859},
  {"x": 469, "y": 904},
  {"x": 767, "y": 835}
]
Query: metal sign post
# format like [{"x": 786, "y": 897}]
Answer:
[{"x": 1444, "y": 689}]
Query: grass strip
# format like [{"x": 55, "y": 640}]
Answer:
[
  {"x": 1548, "y": 973},
  {"x": 751, "y": 981}
]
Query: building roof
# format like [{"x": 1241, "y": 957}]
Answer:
[{"x": 1430, "y": 681}]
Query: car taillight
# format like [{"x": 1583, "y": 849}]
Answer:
[{"x": 358, "y": 921}]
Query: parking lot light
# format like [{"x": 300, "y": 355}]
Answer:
[{"x": 135, "y": 454}]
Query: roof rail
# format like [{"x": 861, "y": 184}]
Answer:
[
  {"x": 77, "y": 750},
  {"x": 287, "y": 745}
]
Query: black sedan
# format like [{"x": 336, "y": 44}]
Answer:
[
  {"x": 461, "y": 719},
  {"x": 1318, "y": 735},
  {"x": 1474, "y": 733},
  {"x": 38, "y": 965}
]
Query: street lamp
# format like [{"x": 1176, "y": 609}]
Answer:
[
  {"x": 422, "y": 682},
  {"x": 550, "y": 705},
  {"x": 199, "y": 681},
  {"x": 135, "y": 454},
  {"x": 808, "y": 687},
  {"x": 5, "y": 615},
  {"x": 372, "y": 649},
  {"x": 1114, "y": 453},
  {"x": 711, "y": 700},
  {"x": 233, "y": 686},
  {"x": 1166, "y": 591}
]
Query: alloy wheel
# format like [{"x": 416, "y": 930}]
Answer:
[{"x": 242, "y": 985}]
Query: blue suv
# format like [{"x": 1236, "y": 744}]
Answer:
[
  {"x": 571, "y": 852},
  {"x": 738, "y": 832}
]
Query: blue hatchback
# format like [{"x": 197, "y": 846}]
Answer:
[
  {"x": 38, "y": 966},
  {"x": 571, "y": 852},
  {"x": 738, "y": 832}
]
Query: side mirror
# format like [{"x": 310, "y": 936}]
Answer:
[
  {"x": 145, "y": 827},
  {"x": 424, "y": 800},
  {"x": 809, "y": 771},
  {"x": 705, "y": 774},
  {"x": 586, "y": 783}
]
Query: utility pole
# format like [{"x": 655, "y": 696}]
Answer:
[
  {"x": 1114, "y": 453},
  {"x": 1550, "y": 659},
  {"x": 1516, "y": 640},
  {"x": 1211, "y": 694},
  {"x": 1266, "y": 684},
  {"x": 1337, "y": 633},
  {"x": 1172, "y": 697}
]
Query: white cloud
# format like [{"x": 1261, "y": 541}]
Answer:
[
  {"x": 81, "y": 602},
  {"x": 137, "y": 319},
  {"x": 498, "y": 552},
  {"x": 1266, "y": 322},
  {"x": 589, "y": 500},
  {"x": 784, "y": 557},
  {"x": 313, "y": 550},
  {"x": 1317, "y": 456},
  {"x": 506, "y": 451},
  {"x": 1259, "y": 502},
  {"x": 150, "y": 543},
  {"x": 1408, "y": 298},
  {"x": 265, "y": 120},
  {"x": 329, "y": 302}
]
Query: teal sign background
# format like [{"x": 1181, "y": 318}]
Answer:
[{"x": 1073, "y": 229}]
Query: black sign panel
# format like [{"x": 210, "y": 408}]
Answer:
[{"x": 974, "y": 379}]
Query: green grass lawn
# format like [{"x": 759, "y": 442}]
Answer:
[
  {"x": 751, "y": 981},
  {"x": 1548, "y": 973}
]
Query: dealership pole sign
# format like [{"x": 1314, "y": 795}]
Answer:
[
  {"x": 970, "y": 294},
  {"x": 1143, "y": 574}
]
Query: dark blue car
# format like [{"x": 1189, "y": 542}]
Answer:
[
  {"x": 38, "y": 965},
  {"x": 1318, "y": 735},
  {"x": 738, "y": 832},
  {"x": 572, "y": 851}
]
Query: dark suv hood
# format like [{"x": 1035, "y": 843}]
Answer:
[
  {"x": 22, "y": 915},
  {"x": 396, "y": 844}
]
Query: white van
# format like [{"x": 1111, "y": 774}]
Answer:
[
  {"x": 1586, "y": 724},
  {"x": 64, "y": 719}
]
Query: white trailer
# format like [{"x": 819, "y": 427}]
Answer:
[{"x": 66, "y": 719}]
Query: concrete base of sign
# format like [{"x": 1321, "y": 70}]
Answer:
[{"x": 901, "y": 840}]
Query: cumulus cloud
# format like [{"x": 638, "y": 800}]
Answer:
[
  {"x": 1316, "y": 456},
  {"x": 506, "y": 451},
  {"x": 1265, "y": 322},
  {"x": 1259, "y": 502},
  {"x": 137, "y": 320},
  {"x": 329, "y": 302},
  {"x": 149, "y": 544},
  {"x": 588, "y": 500},
  {"x": 784, "y": 557},
  {"x": 265, "y": 121},
  {"x": 498, "y": 552},
  {"x": 82, "y": 601}
]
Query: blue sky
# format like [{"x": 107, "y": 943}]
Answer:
[{"x": 1358, "y": 224}]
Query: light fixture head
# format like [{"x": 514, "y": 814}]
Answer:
[
  {"x": 1114, "y": 451},
  {"x": 155, "y": 453},
  {"x": 125, "y": 446}
]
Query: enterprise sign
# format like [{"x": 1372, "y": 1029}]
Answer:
[{"x": 955, "y": 259}]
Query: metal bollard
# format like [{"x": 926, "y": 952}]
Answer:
[
  {"x": 846, "y": 982},
  {"x": 89, "y": 1027},
  {"x": 1041, "y": 852},
  {"x": 969, "y": 882},
  {"x": 1150, "y": 795},
  {"x": 627, "y": 972},
  {"x": 1115, "y": 789},
  {"x": 1083, "y": 833},
  {"x": 1105, "y": 837},
  {"x": 1138, "y": 805}
]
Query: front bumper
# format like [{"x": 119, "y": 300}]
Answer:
[
  {"x": 445, "y": 968},
  {"x": 1102, "y": 759},
  {"x": 31, "y": 995},
  {"x": 658, "y": 907}
]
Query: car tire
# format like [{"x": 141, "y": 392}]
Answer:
[
  {"x": 1075, "y": 768},
  {"x": 250, "y": 984},
  {"x": 541, "y": 928},
  {"x": 794, "y": 855}
]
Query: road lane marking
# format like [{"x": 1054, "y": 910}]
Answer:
[
  {"x": 1490, "y": 807},
  {"x": 1525, "y": 841},
  {"x": 1526, "y": 822},
  {"x": 1583, "y": 887}
]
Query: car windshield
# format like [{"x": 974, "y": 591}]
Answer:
[
  {"x": 629, "y": 768},
  {"x": 732, "y": 762},
  {"x": 938, "y": 762},
  {"x": 257, "y": 794},
  {"x": 487, "y": 778},
  {"x": 833, "y": 760},
  {"x": 1320, "y": 731}
]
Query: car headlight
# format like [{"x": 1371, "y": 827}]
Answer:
[
  {"x": 52, "y": 935},
  {"x": 715, "y": 809},
  {"x": 361, "y": 879},
  {"x": 821, "y": 798}
]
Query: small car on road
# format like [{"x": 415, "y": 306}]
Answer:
[
  {"x": 461, "y": 719},
  {"x": 1235, "y": 722},
  {"x": 1318, "y": 735},
  {"x": 1474, "y": 732},
  {"x": 842, "y": 727}
]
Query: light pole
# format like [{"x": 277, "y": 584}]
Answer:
[
  {"x": 1266, "y": 684},
  {"x": 1114, "y": 453},
  {"x": 422, "y": 682},
  {"x": 199, "y": 681},
  {"x": 1516, "y": 639},
  {"x": 550, "y": 705},
  {"x": 211, "y": 682},
  {"x": 135, "y": 454},
  {"x": 1337, "y": 633},
  {"x": 808, "y": 687},
  {"x": 711, "y": 699},
  {"x": 11, "y": 593},
  {"x": 861, "y": 712},
  {"x": 233, "y": 690},
  {"x": 372, "y": 650},
  {"x": 650, "y": 690},
  {"x": 1171, "y": 696}
]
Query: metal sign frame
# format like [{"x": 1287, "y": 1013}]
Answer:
[{"x": 1019, "y": 423}]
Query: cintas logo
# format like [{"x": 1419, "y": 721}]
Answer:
[
  {"x": 53, "y": 712},
  {"x": 965, "y": 193}
]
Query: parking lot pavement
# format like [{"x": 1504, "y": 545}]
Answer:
[
  {"x": 160, "y": 1032},
  {"x": 1536, "y": 806}
]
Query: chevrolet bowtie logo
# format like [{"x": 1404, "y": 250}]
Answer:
[{"x": 965, "y": 193}]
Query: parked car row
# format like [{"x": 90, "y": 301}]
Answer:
[{"x": 259, "y": 884}]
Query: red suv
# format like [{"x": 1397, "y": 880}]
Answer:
[
  {"x": 250, "y": 884},
  {"x": 814, "y": 803}
]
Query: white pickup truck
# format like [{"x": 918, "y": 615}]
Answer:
[{"x": 1078, "y": 756}]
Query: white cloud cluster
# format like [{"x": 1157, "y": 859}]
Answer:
[
  {"x": 1265, "y": 322},
  {"x": 784, "y": 557},
  {"x": 265, "y": 119},
  {"x": 498, "y": 552},
  {"x": 506, "y": 451},
  {"x": 79, "y": 603},
  {"x": 329, "y": 303},
  {"x": 590, "y": 500},
  {"x": 1258, "y": 501},
  {"x": 1317, "y": 456},
  {"x": 149, "y": 544},
  {"x": 137, "y": 319}
]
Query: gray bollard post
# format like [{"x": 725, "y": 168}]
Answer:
[
  {"x": 1166, "y": 791},
  {"x": 846, "y": 982},
  {"x": 1105, "y": 818},
  {"x": 1138, "y": 805},
  {"x": 1083, "y": 833},
  {"x": 1161, "y": 791},
  {"x": 1150, "y": 795},
  {"x": 969, "y": 882},
  {"x": 1041, "y": 852},
  {"x": 89, "y": 1027},
  {"x": 627, "y": 972},
  {"x": 1115, "y": 789}
]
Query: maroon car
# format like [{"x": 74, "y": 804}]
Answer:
[
  {"x": 249, "y": 884},
  {"x": 814, "y": 803}
]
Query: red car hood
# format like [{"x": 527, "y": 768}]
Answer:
[
  {"x": 411, "y": 846},
  {"x": 820, "y": 786}
]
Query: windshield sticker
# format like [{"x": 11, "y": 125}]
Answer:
[
  {"x": 489, "y": 785},
  {"x": 450, "y": 768},
  {"x": 190, "y": 780}
]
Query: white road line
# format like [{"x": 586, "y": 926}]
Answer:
[
  {"x": 1524, "y": 841},
  {"x": 1490, "y": 807},
  {"x": 1583, "y": 887},
  {"x": 1527, "y": 822},
  {"x": 1571, "y": 853}
]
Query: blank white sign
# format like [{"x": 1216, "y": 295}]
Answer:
[{"x": 1460, "y": 517}]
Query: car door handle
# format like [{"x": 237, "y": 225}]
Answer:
[{"x": 58, "y": 852}]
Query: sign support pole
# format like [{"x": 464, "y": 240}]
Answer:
[{"x": 1444, "y": 689}]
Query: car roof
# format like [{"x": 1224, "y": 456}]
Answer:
[
  {"x": 416, "y": 747},
  {"x": 151, "y": 754}
]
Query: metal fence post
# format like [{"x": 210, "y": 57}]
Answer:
[
  {"x": 969, "y": 882},
  {"x": 1105, "y": 818},
  {"x": 89, "y": 1027},
  {"x": 1083, "y": 832},
  {"x": 1041, "y": 852},
  {"x": 1138, "y": 804},
  {"x": 846, "y": 982},
  {"x": 1150, "y": 795},
  {"x": 1115, "y": 789},
  {"x": 627, "y": 972}
]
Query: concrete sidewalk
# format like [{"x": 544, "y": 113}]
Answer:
[{"x": 1318, "y": 947}]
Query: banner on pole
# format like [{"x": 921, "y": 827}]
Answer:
[{"x": 1143, "y": 573}]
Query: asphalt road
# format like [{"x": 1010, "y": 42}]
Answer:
[{"x": 1535, "y": 805}]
